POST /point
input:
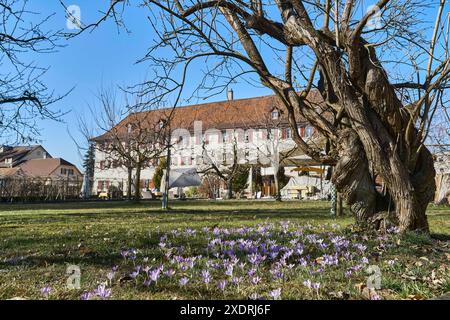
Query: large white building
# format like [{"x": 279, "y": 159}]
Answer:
[{"x": 254, "y": 131}]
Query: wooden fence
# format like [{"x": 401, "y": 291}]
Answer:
[{"x": 14, "y": 189}]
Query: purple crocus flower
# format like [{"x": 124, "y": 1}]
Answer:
[
  {"x": 307, "y": 283},
  {"x": 275, "y": 294},
  {"x": 102, "y": 291},
  {"x": 169, "y": 273},
  {"x": 375, "y": 297},
  {"x": 147, "y": 282},
  {"x": 154, "y": 274},
  {"x": 254, "y": 296},
  {"x": 45, "y": 291},
  {"x": 86, "y": 296},
  {"x": 206, "y": 276},
  {"x": 391, "y": 262},
  {"x": 221, "y": 285},
  {"x": 236, "y": 280},
  {"x": 256, "y": 280},
  {"x": 183, "y": 281},
  {"x": 110, "y": 275},
  {"x": 124, "y": 253},
  {"x": 229, "y": 271}
]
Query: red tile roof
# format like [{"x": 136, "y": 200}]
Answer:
[
  {"x": 44, "y": 167},
  {"x": 240, "y": 113},
  {"x": 10, "y": 172}
]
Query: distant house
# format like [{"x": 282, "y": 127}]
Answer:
[
  {"x": 55, "y": 168},
  {"x": 11, "y": 157},
  {"x": 34, "y": 162},
  {"x": 31, "y": 173},
  {"x": 6, "y": 173}
]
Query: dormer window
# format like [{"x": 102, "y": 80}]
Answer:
[{"x": 275, "y": 114}]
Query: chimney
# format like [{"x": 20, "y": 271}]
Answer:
[{"x": 230, "y": 95}]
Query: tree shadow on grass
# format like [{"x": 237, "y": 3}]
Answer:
[{"x": 440, "y": 236}]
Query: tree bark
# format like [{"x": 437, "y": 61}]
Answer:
[
  {"x": 277, "y": 184},
  {"x": 129, "y": 182},
  {"x": 230, "y": 188},
  {"x": 137, "y": 184}
]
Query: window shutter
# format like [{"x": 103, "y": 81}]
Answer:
[{"x": 302, "y": 131}]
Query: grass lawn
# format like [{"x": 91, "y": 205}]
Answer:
[{"x": 214, "y": 250}]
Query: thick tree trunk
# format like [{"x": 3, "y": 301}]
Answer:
[
  {"x": 129, "y": 183},
  {"x": 137, "y": 184},
  {"x": 230, "y": 189},
  {"x": 352, "y": 177},
  {"x": 277, "y": 185},
  {"x": 407, "y": 195}
]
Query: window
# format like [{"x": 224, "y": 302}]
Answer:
[
  {"x": 103, "y": 185},
  {"x": 275, "y": 114},
  {"x": 198, "y": 139},
  {"x": 288, "y": 133},
  {"x": 224, "y": 137},
  {"x": 308, "y": 131},
  {"x": 102, "y": 165}
]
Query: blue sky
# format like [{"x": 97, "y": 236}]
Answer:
[{"x": 102, "y": 57}]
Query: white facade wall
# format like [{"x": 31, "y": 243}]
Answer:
[{"x": 194, "y": 150}]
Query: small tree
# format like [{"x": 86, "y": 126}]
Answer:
[
  {"x": 159, "y": 173},
  {"x": 225, "y": 164},
  {"x": 133, "y": 142},
  {"x": 240, "y": 180},
  {"x": 89, "y": 161}
]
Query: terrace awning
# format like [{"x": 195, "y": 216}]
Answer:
[{"x": 180, "y": 178}]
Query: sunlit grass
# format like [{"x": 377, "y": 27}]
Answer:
[{"x": 37, "y": 242}]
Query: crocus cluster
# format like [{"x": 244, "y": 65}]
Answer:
[{"x": 255, "y": 262}]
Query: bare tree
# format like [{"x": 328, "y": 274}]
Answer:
[
  {"x": 225, "y": 161},
  {"x": 379, "y": 74},
  {"x": 24, "y": 97},
  {"x": 269, "y": 135},
  {"x": 132, "y": 136}
]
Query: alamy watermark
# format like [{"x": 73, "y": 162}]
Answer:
[
  {"x": 374, "y": 21},
  {"x": 74, "y": 280},
  {"x": 374, "y": 279},
  {"x": 73, "y": 14}
]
